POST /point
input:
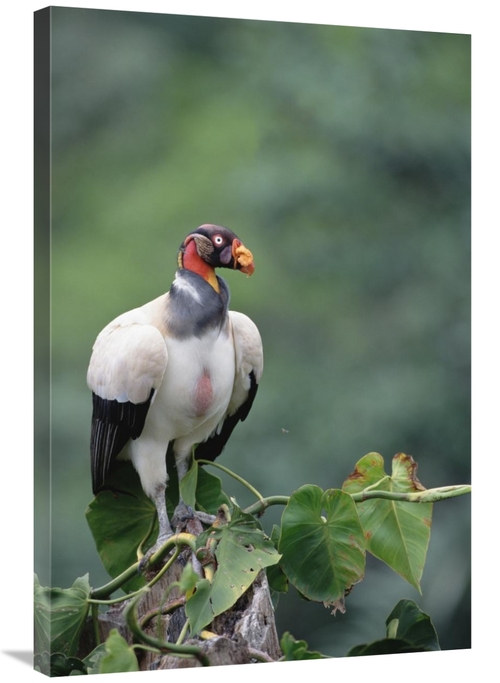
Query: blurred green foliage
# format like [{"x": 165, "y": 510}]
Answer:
[{"x": 341, "y": 157}]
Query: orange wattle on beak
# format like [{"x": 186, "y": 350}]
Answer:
[{"x": 243, "y": 259}]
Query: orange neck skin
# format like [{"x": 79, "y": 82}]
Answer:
[{"x": 192, "y": 261}]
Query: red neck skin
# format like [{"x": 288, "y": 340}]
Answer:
[{"x": 192, "y": 261}]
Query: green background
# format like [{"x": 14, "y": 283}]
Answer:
[{"x": 341, "y": 158}]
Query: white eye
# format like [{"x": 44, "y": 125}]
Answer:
[{"x": 218, "y": 240}]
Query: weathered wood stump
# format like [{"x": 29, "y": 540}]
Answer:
[{"x": 246, "y": 633}]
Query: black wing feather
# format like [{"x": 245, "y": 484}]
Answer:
[
  {"x": 113, "y": 424},
  {"x": 214, "y": 445}
]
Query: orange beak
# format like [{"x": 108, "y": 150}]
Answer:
[{"x": 243, "y": 259}]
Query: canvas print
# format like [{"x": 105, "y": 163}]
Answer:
[{"x": 252, "y": 319}]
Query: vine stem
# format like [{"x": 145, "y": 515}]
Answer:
[
  {"x": 234, "y": 476},
  {"x": 149, "y": 532},
  {"x": 99, "y": 595},
  {"x": 147, "y": 648},
  {"x": 163, "y": 646},
  {"x": 162, "y": 611},
  {"x": 425, "y": 496},
  {"x": 154, "y": 580},
  {"x": 183, "y": 633},
  {"x": 264, "y": 503},
  {"x": 259, "y": 655}
]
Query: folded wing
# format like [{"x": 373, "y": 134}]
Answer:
[{"x": 126, "y": 369}]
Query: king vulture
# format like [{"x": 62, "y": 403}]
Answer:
[{"x": 180, "y": 370}]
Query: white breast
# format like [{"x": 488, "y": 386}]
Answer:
[{"x": 196, "y": 387}]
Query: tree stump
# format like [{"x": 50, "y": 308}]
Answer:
[{"x": 246, "y": 633}]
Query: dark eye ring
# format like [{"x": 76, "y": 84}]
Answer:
[{"x": 218, "y": 240}]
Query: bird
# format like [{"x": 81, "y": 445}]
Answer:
[{"x": 180, "y": 371}]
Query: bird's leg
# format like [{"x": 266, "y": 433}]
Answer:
[
  {"x": 185, "y": 518},
  {"x": 184, "y": 512},
  {"x": 165, "y": 529}
]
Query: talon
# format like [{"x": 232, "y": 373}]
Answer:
[
  {"x": 205, "y": 517},
  {"x": 182, "y": 514},
  {"x": 185, "y": 517}
]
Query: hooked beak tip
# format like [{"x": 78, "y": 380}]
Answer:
[{"x": 248, "y": 270}]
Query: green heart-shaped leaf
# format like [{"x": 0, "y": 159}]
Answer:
[
  {"x": 322, "y": 544},
  {"x": 397, "y": 532},
  {"x": 60, "y": 615}
]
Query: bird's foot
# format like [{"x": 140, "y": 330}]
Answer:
[{"x": 186, "y": 518}]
